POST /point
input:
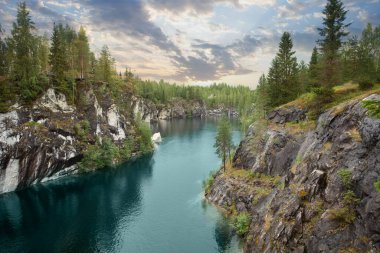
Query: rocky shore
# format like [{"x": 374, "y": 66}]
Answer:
[{"x": 307, "y": 187}]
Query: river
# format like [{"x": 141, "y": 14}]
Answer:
[{"x": 152, "y": 205}]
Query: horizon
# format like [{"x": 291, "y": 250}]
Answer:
[{"x": 233, "y": 41}]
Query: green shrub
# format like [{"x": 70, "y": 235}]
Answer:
[
  {"x": 344, "y": 215},
  {"x": 209, "y": 182},
  {"x": 82, "y": 129},
  {"x": 241, "y": 224},
  {"x": 377, "y": 185},
  {"x": 347, "y": 213},
  {"x": 127, "y": 149},
  {"x": 99, "y": 155},
  {"x": 373, "y": 107},
  {"x": 345, "y": 177},
  {"x": 144, "y": 137},
  {"x": 350, "y": 199}
]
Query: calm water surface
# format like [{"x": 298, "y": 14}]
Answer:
[{"x": 150, "y": 205}]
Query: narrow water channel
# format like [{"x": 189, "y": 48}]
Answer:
[{"x": 152, "y": 205}]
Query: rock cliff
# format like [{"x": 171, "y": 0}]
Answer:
[
  {"x": 307, "y": 188},
  {"x": 46, "y": 140}
]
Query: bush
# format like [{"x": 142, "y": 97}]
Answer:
[
  {"x": 144, "y": 138},
  {"x": 373, "y": 107},
  {"x": 241, "y": 224},
  {"x": 82, "y": 129},
  {"x": 99, "y": 155},
  {"x": 347, "y": 213},
  {"x": 343, "y": 215},
  {"x": 127, "y": 149},
  {"x": 377, "y": 185},
  {"x": 209, "y": 182},
  {"x": 345, "y": 177}
]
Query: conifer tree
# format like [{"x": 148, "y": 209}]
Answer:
[
  {"x": 58, "y": 56},
  {"x": 3, "y": 54},
  {"x": 104, "y": 66},
  {"x": 223, "y": 140},
  {"x": 283, "y": 83},
  {"x": 332, "y": 33},
  {"x": 23, "y": 55},
  {"x": 43, "y": 53},
  {"x": 83, "y": 54},
  {"x": 314, "y": 69},
  {"x": 25, "y": 62}
]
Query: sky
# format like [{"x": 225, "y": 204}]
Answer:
[{"x": 193, "y": 41}]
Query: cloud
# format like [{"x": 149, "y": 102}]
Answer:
[{"x": 203, "y": 6}]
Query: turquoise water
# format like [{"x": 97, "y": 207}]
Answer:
[{"x": 151, "y": 205}]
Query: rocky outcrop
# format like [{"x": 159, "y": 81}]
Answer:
[
  {"x": 174, "y": 109},
  {"x": 287, "y": 114},
  {"x": 313, "y": 209},
  {"x": 47, "y": 140},
  {"x": 178, "y": 109}
]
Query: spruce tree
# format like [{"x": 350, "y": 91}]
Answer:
[
  {"x": 332, "y": 33},
  {"x": 104, "y": 66},
  {"x": 83, "y": 54},
  {"x": 283, "y": 83},
  {"x": 314, "y": 69},
  {"x": 3, "y": 54},
  {"x": 223, "y": 140},
  {"x": 24, "y": 55},
  {"x": 43, "y": 53},
  {"x": 58, "y": 56},
  {"x": 23, "y": 44}
]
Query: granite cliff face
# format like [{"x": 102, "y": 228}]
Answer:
[
  {"x": 307, "y": 188},
  {"x": 178, "y": 108},
  {"x": 46, "y": 139}
]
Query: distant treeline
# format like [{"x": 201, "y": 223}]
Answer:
[
  {"x": 334, "y": 61},
  {"x": 239, "y": 97}
]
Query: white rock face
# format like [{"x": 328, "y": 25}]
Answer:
[
  {"x": 10, "y": 180},
  {"x": 7, "y": 135},
  {"x": 140, "y": 109},
  {"x": 113, "y": 117},
  {"x": 56, "y": 102},
  {"x": 156, "y": 138},
  {"x": 99, "y": 114}
]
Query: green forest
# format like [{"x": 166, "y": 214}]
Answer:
[{"x": 336, "y": 59}]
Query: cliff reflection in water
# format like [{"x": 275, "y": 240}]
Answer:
[{"x": 53, "y": 217}]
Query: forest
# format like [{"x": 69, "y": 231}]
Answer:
[{"x": 336, "y": 59}]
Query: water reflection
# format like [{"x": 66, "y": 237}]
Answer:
[
  {"x": 55, "y": 217},
  {"x": 151, "y": 205}
]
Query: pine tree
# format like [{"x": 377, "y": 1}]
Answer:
[
  {"x": 283, "y": 83},
  {"x": 303, "y": 77},
  {"x": 23, "y": 54},
  {"x": 58, "y": 56},
  {"x": 24, "y": 46},
  {"x": 83, "y": 54},
  {"x": 314, "y": 69},
  {"x": 104, "y": 67},
  {"x": 3, "y": 54},
  {"x": 223, "y": 140},
  {"x": 262, "y": 98},
  {"x": 332, "y": 32},
  {"x": 43, "y": 54}
]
